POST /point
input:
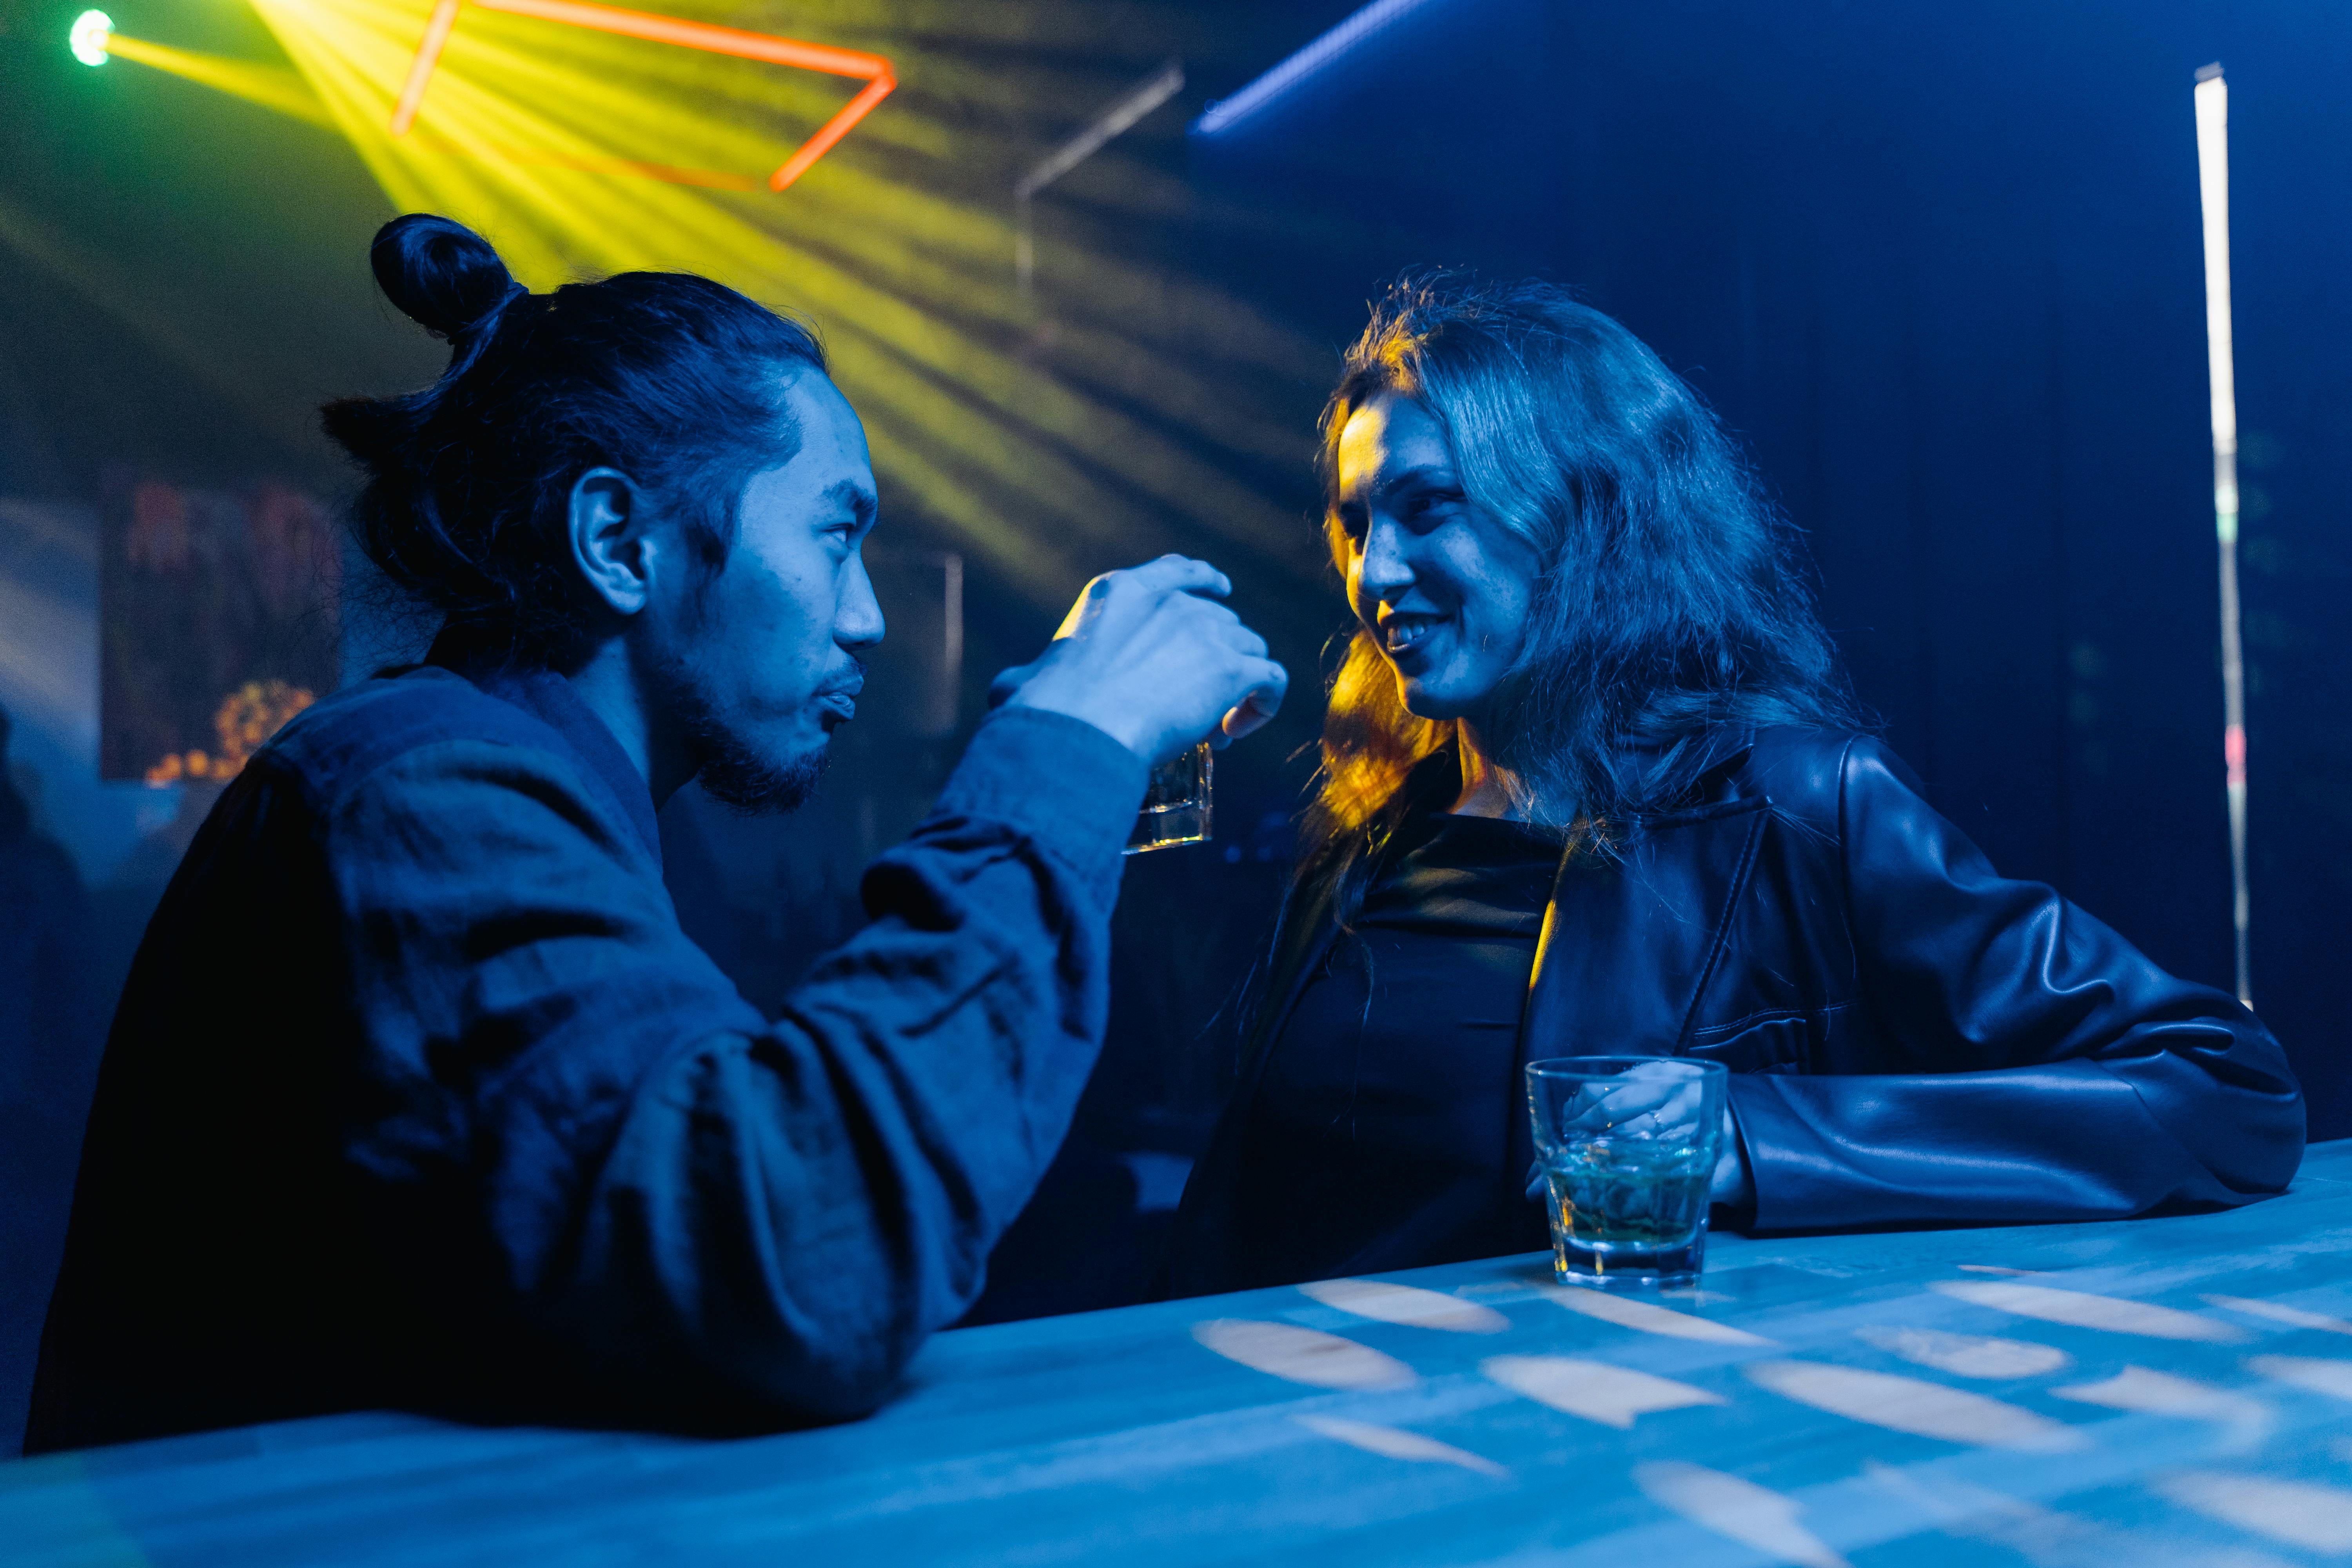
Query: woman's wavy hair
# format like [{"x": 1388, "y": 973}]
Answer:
[
  {"x": 1672, "y": 606},
  {"x": 668, "y": 377}
]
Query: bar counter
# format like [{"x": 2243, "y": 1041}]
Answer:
[{"x": 2173, "y": 1390}]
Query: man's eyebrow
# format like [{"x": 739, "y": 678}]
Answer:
[{"x": 850, "y": 496}]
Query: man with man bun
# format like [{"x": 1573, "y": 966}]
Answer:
[{"x": 419, "y": 1096}]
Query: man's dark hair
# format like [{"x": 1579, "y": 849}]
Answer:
[{"x": 670, "y": 378}]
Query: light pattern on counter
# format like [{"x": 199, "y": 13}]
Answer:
[
  {"x": 2300, "y": 1513},
  {"x": 2080, "y": 1309},
  {"x": 1754, "y": 1516},
  {"x": 2316, "y": 1373},
  {"x": 1909, "y": 1404},
  {"x": 1965, "y": 1355},
  {"x": 1406, "y": 1304},
  {"x": 1648, "y": 1316},
  {"x": 1594, "y": 1390},
  {"x": 1396, "y": 1443},
  {"x": 1302, "y": 1355},
  {"x": 2280, "y": 1312},
  {"x": 2162, "y": 1394}
]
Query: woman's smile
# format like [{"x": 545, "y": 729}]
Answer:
[
  {"x": 1443, "y": 587},
  {"x": 1406, "y": 637}
]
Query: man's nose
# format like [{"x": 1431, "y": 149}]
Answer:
[{"x": 857, "y": 616}]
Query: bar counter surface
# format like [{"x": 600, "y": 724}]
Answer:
[{"x": 2175, "y": 1390}]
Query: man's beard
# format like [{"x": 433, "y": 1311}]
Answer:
[
  {"x": 734, "y": 773},
  {"x": 742, "y": 780}
]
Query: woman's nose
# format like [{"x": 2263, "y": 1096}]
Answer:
[{"x": 1386, "y": 567}]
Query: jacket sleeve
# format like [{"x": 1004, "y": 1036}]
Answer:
[
  {"x": 2037, "y": 1066},
  {"x": 693, "y": 1204}
]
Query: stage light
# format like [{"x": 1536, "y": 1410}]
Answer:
[
  {"x": 1041, "y": 468},
  {"x": 2212, "y": 100},
  {"x": 872, "y": 70},
  {"x": 91, "y": 31}
]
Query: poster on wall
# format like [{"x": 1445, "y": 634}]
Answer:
[{"x": 217, "y": 623}]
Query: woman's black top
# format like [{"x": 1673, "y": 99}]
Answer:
[
  {"x": 1380, "y": 1135},
  {"x": 1912, "y": 1037}
]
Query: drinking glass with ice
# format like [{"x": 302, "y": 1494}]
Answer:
[{"x": 1628, "y": 1148}]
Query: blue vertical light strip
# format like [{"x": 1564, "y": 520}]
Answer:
[
  {"x": 1321, "y": 55},
  {"x": 2212, "y": 101}
]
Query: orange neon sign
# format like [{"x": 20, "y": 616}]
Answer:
[{"x": 872, "y": 70}]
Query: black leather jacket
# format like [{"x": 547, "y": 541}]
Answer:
[{"x": 1913, "y": 1038}]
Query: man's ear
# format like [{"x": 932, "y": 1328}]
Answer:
[{"x": 610, "y": 522}]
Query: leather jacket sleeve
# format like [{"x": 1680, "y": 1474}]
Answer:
[{"x": 2033, "y": 1064}]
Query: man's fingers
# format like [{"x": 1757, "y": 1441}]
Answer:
[
  {"x": 1242, "y": 640},
  {"x": 1179, "y": 574},
  {"x": 1263, "y": 702},
  {"x": 1167, "y": 577},
  {"x": 1077, "y": 610},
  {"x": 1196, "y": 616}
]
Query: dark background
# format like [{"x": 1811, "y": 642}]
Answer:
[{"x": 1940, "y": 268}]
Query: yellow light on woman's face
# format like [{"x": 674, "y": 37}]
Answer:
[{"x": 91, "y": 30}]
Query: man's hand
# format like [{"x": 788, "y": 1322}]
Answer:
[{"x": 1151, "y": 658}]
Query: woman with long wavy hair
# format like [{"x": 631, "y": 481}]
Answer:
[{"x": 1592, "y": 783}]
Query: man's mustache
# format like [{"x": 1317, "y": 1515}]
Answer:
[{"x": 849, "y": 684}]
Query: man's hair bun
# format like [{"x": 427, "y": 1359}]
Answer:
[
  {"x": 441, "y": 275},
  {"x": 670, "y": 377}
]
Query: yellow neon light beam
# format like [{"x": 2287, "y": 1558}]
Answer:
[{"x": 270, "y": 87}]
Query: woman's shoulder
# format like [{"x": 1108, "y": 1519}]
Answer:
[{"x": 1807, "y": 770}]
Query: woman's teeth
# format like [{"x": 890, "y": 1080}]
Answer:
[{"x": 1403, "y": 631}]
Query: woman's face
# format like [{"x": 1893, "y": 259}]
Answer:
[{"x": 1443, "y": 587}]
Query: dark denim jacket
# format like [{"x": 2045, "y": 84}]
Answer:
[
  {"x": 1913, "y": 1038},
  {"x": 419, "y": 1096}
]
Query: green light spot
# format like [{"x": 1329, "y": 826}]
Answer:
[{"x": 91, "y": 32}]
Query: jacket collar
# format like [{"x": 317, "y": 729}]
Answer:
[
  {"x": 548, "y": 698},
  {"x": 1719, "y": 756}
]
